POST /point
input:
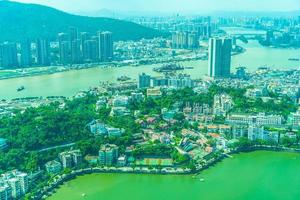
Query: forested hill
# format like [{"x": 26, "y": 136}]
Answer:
[{"x": 21, "y": 21}]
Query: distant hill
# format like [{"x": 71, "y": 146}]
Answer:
[{"x": 20, "y": 21}]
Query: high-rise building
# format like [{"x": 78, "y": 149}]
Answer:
[
  {"x": 204, "y": 31},
  {"x": 26, "y": 56},
  {"x": 8, "y": 55},
  {"x": 24, "y": 183},
  {"x": 90, "y": 51},
  {"x": 192, "y": 41},
  {"x": 180, "y": 40},
  {"x": 43, "y": 52},
  {"x": 5, "y": 192},
  {"x": 269, "y": 36},
  {"x": 64, "y": 52},
  {"x": 219, "y": 57},
  {"x": 73, "y": 34},
  {"x": 105, "y": 46},
  {"x": 75, "y": 52},
  {"x": 13, "y": 185},
  {"x": 66, "y": 160},
  {"x": 108, "y": 154},
  {"x": 84, "y": 36},
  {"x": 64, "y": 48},
  {"x": 144, "y": 80},
  {"x": 70, "y": 159}
]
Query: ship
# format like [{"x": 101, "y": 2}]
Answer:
[
  {"x": 123, "y": 78},
  {"x": 168, "y": 68},
  {"x": 294, "y": 59},
  {"x": 189, "y": 67},
  {"x": 21, "y": 88}
]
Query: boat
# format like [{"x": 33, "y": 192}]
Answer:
[
  {"x": 21, "y": 88},
  {"x": 189, "y": 67},
  {"x": 83, "y": 194},
  {"x": 123, "y": 78},
  {"x": 202, "y": 179},
  {"x": 294, "y": 59},
  {"x": 168, "y": 68}
]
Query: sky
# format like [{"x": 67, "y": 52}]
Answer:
[{"x": 171, "y": 5}]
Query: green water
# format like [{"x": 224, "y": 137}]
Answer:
[{"x": 258, "y": 175}]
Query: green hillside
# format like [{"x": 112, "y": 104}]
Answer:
[{"x": 19, "y": 21}]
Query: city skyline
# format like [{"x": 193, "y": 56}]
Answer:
[{"x": 170, "y": 6}]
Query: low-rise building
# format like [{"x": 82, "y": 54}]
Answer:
[
  {"x": 294, "y": 119},
  {"x": 260, "y": 119},
  {"x": 53, "y": 167},
  {"x": 122, "y": 161},
  {"x": 154, "y": 92},
  {"x": 98, "y": 128}
]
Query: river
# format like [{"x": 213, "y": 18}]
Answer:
[
  {"x": 259, "y": 175},
  {"x": 70, "y": 82}
]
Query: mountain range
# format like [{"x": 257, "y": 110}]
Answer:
[{"x": 20, "y": 21}]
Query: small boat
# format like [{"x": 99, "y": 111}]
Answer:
[
  {"x": 202, "y": 179},
  {"x": 189, "y": 67},
  {"x": 83, "y": 194},
  {"x": 21, "y": 88},
  {"x": 294, "y": 59}
]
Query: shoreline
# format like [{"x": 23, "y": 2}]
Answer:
[
  {"x": 100, "y": 65},
  {"x": 50, "y": 190}
]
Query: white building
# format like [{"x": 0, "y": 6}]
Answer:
[
  {"x": 260, "y": 119},
  {"x": 222, "y": 104},
  {"x": 120, "y": 101},
  {"x": 53, "y": 167},
  {"x": 13, "y": 184}
]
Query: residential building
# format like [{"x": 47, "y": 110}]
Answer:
[
  {"x": 222, "y": 104},
  {"x": 154, "y": 92},
  {"x": 122, "y": 161},
  {"x": 75, "y": 52},
  {"x": 8, "y": 55},
  {"x": 108, "y": 154},
  {"x": 219, "y": 57},
  {"x": 13, "y": 184},
  {"x": 26, "y": 57},
  {"x": 5, "y": 192},
  {"x": 71, "y": 158},
  {"x": 97, "y": 128},
  {"x": 64, "y": 48},
  {"x": 43, "y": 52},
  {"x": 180, "y": 81},
  {"x": 144, "y": 81},
  {"x": 256, "y": 133},
  {"x": 105, "y": 43},
  {"x": 120, "y": 101},
  {"x": 53, "y": 167},
  {"x": 259, "y": 119},
  {"x": 294, "y": 119}
]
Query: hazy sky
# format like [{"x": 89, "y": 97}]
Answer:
[{"x": 171, "y": 5}]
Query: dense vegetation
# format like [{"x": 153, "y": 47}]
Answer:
[
  {"x": 21, "y": 21},
  {"x": 35, "y": 129}
]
